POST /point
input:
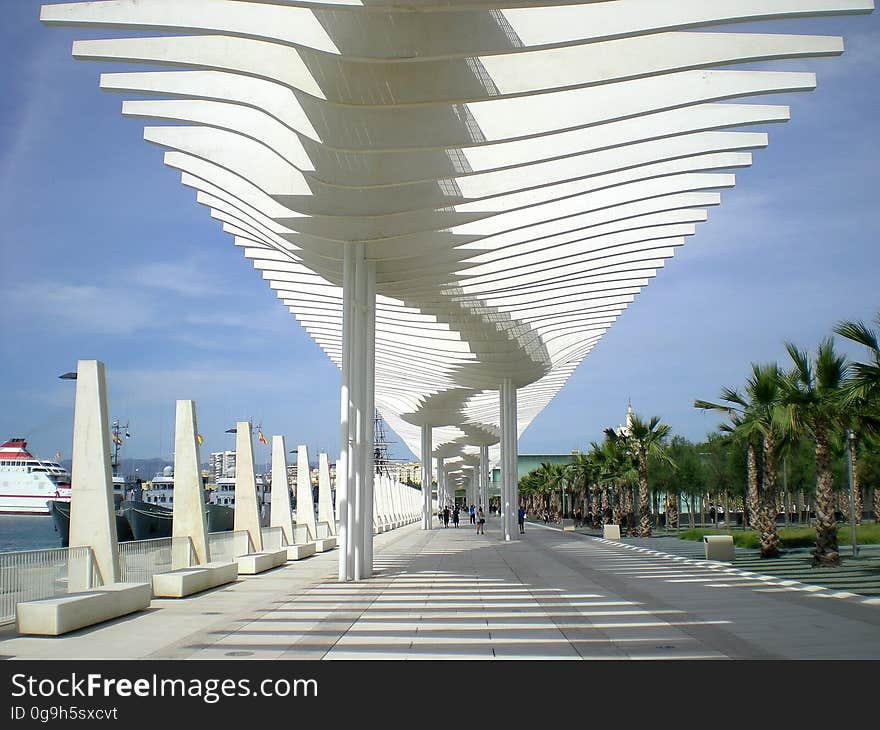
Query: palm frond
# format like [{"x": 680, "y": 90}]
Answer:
[{"x": 859, "y": 333}]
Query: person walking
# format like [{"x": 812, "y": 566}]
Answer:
[
  {"x": 481, "y": 520},
  {"x": 446, "y": 517},
  {"x": 521, "y": 518},
  {"x": 455, "y": 516},
  {"x": 473, "y": 513}
]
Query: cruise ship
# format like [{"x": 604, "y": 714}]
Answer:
[{"x": 27, "y": 484}]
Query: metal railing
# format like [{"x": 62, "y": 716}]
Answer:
[
  {"x": 140, "y": 560},
  {"x": 227, "y": 546},
  {"x": 30, "y": 575}
]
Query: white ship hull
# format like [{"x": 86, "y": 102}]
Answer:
[
  {"x": 27, "y": 504},
  {"x": 26, "y": 483}
]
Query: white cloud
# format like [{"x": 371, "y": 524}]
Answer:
[
  {"x": 189, "y": 278},
  {"x": 58, "y": 307}
]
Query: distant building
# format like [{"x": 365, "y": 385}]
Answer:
[
  {"x": 530, "y": 462},
  {"x": 221, "y": 464},
  {"x": 409, "y": 471}
]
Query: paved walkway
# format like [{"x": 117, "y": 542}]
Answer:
[
  {"x": 857, "y": 575},
  {"x": 452, "y": 594}
]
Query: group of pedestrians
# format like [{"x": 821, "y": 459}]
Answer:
[{"x": 476, "y": 514}]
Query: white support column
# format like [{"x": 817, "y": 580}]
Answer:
[
  {"x": 484, "y": 477},
  {"x": 325, "y": 496},
  {"x": 427, "y": 507},
  {"x": 280, "y": 512},
  {"x": 355, "y": 501},
  {"x": 368, "y": 364},
  {"x": 189, "y": 518},
  {"x": 247, "y": 511},
  {"x": 344, "y": 465},
  {"x": 442, "y": 483},
  {"x": 92, "y": 518},
  {"x": 509, "y": 475},
  {"x": 305, "y": 502}
]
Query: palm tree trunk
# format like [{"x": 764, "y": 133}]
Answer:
[
  {"x": 768, "y": 506},
  {"x": 631, "y": 510},
  {"x": 597, "y": 507},
  {"x": 857, "y": 492},
  {"x": 754, "y": 521},
  {"x": 673, "y": 511},
  {"x": 644, "y": 514},
  {"x": 825, "y": 552}
]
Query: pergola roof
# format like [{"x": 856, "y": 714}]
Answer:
[{"x": 518, "y": 171}]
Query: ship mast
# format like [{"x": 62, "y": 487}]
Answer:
[
  {"x": 118, "y": 431},
  {"x": 380, "y": 446}
]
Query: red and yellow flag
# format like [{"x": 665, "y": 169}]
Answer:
[
  {"x": 199, "y": 438},
  {"x": 261, "y": 438}
]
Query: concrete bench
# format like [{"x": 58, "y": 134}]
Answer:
[
  {"x": 611, "y": 532},
  {"x": 260, "y": 562},
  {"x": 323, "y": 544},
  {"x": 719, "y": 547},
  {"x": 61, "y": 614},
  {"x": 186, "y": 581},
  {"x": 298, "y": 552}
]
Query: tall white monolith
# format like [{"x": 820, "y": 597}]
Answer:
[
  {"x": 92, "y": 516},
  {"x": 190, "y": 517},
  {"x": 325, "y": 497},
  {"x": 305, "y": 503},
  {"x": 247, "y": 511},
  {"x": 279, "y": 515}
]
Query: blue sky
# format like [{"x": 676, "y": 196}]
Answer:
[{"x": 105, "y": 255}]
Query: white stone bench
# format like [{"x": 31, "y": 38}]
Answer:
[
  {"x": 186, "y": 581},
  {"x": 323, "y": 544},
  {"x": 254, "y": 563},
  {"x": 61, "y": 614},
  {"x": 298, "y": 552},
  {"x": 719, "y": 547},
  {"x": 611, "y": 532}
]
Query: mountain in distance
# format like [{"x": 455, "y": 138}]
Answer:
[{"x": 146, "y": 469}]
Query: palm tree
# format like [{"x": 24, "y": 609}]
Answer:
[
  {"x": 755, "y": 415},
  {"x": 623, "y": 471},
  {"x": 812, "y": 396},
  {"x": 580, "y": 472},
  {"x": 864, "y": 382},
  {"x": 862, "y": 398},
  {"x": 646, "y": 439}
]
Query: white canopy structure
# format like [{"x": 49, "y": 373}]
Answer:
[{"x": 455, "y": 198}]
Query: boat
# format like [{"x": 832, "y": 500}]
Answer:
[
  {"x": 153, "y": 517},
  {"x": 27, "y": 484},
  {"x": 60, "y": 511},
  {"x": 224, "y": 496}
]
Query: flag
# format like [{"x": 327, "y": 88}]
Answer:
[
  {"x": 261, "y": 438},
  {"x": 199, "y": 438},
  {"x": 117, "y": 440}
]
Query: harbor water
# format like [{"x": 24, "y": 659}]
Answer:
[{"x": 27, "y": 532}]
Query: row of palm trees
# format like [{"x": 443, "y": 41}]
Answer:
[
  {"x": 822, "y": 397},
  {"x": 603, "y": 476}
]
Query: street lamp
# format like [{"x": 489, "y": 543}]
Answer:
[{"x": 67, "y": 376}]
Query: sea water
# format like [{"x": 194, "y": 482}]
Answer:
[{"x": 27, "y": 532}]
